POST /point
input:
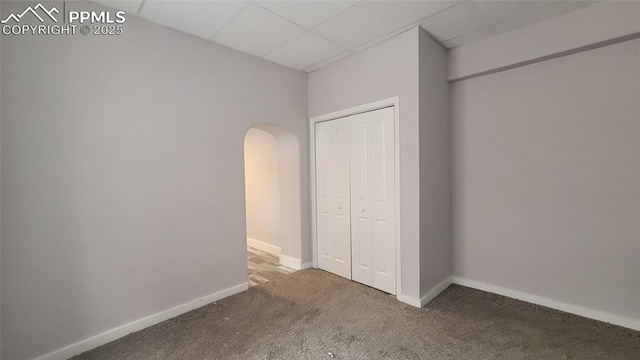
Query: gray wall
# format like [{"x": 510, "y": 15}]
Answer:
[
  {"x": 0, "y": 193},
  {"x": 435, "y": 165},
  {"x": 386, "y": 70},
  {"x": 547, "y": 179},
  {"x": 122, "y": 176},
  {"x": 585, "y": 26}
]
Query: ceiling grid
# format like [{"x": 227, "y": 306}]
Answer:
[{"x": 307, "y": 35}]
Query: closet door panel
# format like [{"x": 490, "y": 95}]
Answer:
[
  {"x": 361, "y": 246},
  {"x": 323, "y": 195},
  {"x": 342, "y": 235},
  {"x": 333, "y": 202},
  {"x": 383, "y": 199}
]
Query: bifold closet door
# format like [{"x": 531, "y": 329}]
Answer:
[
  {"x": 355, "y": 198},
  {"x": 332, "y": 199},
  {"x": 372, "y": 166}
]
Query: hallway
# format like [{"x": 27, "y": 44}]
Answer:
[{"x": 264, "y": 267}]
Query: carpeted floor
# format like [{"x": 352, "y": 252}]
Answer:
[{"x": 312, "y": 314}]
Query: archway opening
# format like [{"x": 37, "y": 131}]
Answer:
[{"x": 272, "y": 193}]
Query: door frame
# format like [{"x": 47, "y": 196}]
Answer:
[{"x": 376, "y": 105}]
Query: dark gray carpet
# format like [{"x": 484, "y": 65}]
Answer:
[{"x": 312, "y": 314}]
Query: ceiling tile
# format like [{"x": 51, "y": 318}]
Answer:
[
  {"x": 129, "y": 6},
  {"x": 369, "y": 20},
  {"x": 499, "y": 11},
  {"x": 257, "y": 31},
  {"x": 304, "y": 51},
  {"x": 467, "y": 38},
  {"x": 455, "y": 21},
  {"x": 306, "y": 13},
  {"x": 328, "y": 61},
  {"x": 196, "y": 17},
  {"x": 516, "y": 19},
  {"x": 555, "y": 8}
]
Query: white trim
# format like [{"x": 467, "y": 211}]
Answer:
[
  {"x": 395, "y": 102},
  {"x": 355, "y": 110},
  {"x": 413, "y": 301},
  {"x": 290, "y": 262},
  {"x": 550, "y": 303},
  {"x": 396, "y": 107},
  {"x": 426, "y": 298},
  {"x": 120, "y": 331},
  {"x": 312, "y": 189},
  {"x": 435, "y": 291},
  {"x": 261, "y": 245},
  {"x": 307, "y": 265}
]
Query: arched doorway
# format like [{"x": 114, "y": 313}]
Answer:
[{"x": 272, "y": 193}]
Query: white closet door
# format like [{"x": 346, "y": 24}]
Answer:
[
  {"x": 333, "y": 202},
  {"x": 383, "y": 199},
  {"x": 355, "y": 198},
  {"x": 361, "y": 221}
]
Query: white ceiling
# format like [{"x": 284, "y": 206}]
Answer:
[{"x": 307, "y": 35}]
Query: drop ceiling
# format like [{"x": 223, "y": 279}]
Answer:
[{"x": 307, "y": 35}]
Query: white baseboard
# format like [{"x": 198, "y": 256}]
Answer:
[
  {"x": 435, "y": 291},
  {"x": 116, "y": 333},
  {"x": 413, "y": 301},
  {"x": 290, "y": 262},
  {"x": 550, "y": 303},
  {"x": 261, "y": 245},
  {"x": 308, "y": 265},
  {"x": 425, "y": 299}
]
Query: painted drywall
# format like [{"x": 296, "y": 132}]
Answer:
[
  {"x": 384, "y": 71},
  {"x": 598, "y": 22},
  {"x": 435, "y": 165},
  {"x": 547, "y": 179},
  {"x": 262, "y": 187},
  {"x": 0, "y": 192},
  {"x": 123, "y": 176}
]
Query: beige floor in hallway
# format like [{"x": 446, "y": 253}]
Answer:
[{"x": 264, "y": 267}]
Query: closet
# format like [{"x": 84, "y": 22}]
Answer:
[{"x": 355, "y": 197}]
